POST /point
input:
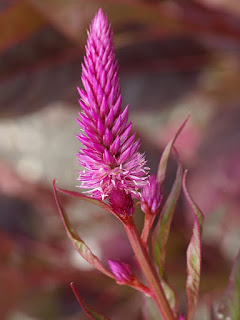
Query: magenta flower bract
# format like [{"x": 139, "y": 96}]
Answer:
[
  {"x": 121, "y": 203},
  {"x": 121, "y": 271},
  {"x": 110, "y": 157},
  {"x": 151, "y": 196}
]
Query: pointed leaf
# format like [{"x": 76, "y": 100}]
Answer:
[
  {"x": 162, "y": 168},
  {"x": 150, "y": 310},
  {"x": 171, "y": 296},
  {"x": 193, "y": 255},
  {"x": 162, "y": 229},
  {"x": 230, "y": 304},
  {"x": 77, "y": 242},
  {"x": 98, "y": 203},
  {"x": 86, "y": 307}
]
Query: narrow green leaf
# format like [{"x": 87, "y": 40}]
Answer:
[
  {"x": 162, "y": 168},
  {"x": 193, "y": 255},
  {"x": 77, "y": 242},
  {"x": 150, "y": 309},
  {"x": 162, "y": 229},
  {"x": 86, "y": 307},
  {"x": 161, "y": 234},
  {"x": 230, "y": 304},
  {"x": 171, "y": 296}
]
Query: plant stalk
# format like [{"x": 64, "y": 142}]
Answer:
[
  {"x": 148, "y": 222},
  {"x": 148, "y": 270}
]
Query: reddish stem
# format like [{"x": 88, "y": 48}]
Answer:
[
  {"x": 148, "y": 222},
  {"x": 144, "y": 260}
]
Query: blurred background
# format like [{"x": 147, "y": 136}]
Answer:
[{"x": 176, "y": 57}]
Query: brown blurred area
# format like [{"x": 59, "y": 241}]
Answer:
[{"x": 176, "y": 57}]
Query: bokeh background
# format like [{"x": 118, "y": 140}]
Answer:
[{"x": 176, "y": 57}]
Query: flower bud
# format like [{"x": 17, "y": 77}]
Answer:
[
  {"x": 121, "y": 202},
  {"x": 151, "y": 196},
  {"x": 121, "y": 271}
]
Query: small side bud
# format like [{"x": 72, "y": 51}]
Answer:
[
  {"x": 121, "y": 203},
  {"x": 151, "y": 196},
  {"x": 121, "y": 271}
]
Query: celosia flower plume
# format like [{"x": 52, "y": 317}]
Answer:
[{"x": 110, "y": 157}]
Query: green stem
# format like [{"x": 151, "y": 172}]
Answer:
[{"x": 148, "y": 270}]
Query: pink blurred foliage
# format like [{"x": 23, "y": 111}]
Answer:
[
  {"x": 219, "y": 163},
  {"x": 13, "y": 185},
  {"x": 188, "y": 142}
]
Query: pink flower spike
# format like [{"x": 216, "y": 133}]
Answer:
[
  {"x": 121, "y": 271},
  {"x": 151, "y": 196},
  {"x": 110, "y": 156}
]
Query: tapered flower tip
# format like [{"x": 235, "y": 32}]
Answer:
[
  {"x": 121, "y": 271},
  {"x": 109, "y": 156},
  {"x": 151, "y": 196},
  {"x": 121, "y": 203},
  {"x": 99, "y": 22},
  {"x": 181, "y": 317}
]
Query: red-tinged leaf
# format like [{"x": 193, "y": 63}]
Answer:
[
  {"x": 162, "y": 229},
  {"x": 162, "y": 168},
  {"x": 230, "y": 303},
  {"x": 171, "y": 296},
  {"x": 150, "y": 310},
  {"x": 98, "y": 203},
  {"x": 77, "y": 242},
  {"x": 193, "y": 255},
  {"x": 86, "y": 307}
]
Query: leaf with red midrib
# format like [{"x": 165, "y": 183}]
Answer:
[
  {"x": 161, "y": 234},
  {"x": 193, "y": 255},
  {"x": 98, "y": 203},
  {"x": 162, "y": 168},
  {"x": 86, "y": 307},
  {"x": 77, "y": 242},
  {"x": 162, "y": 229}
]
